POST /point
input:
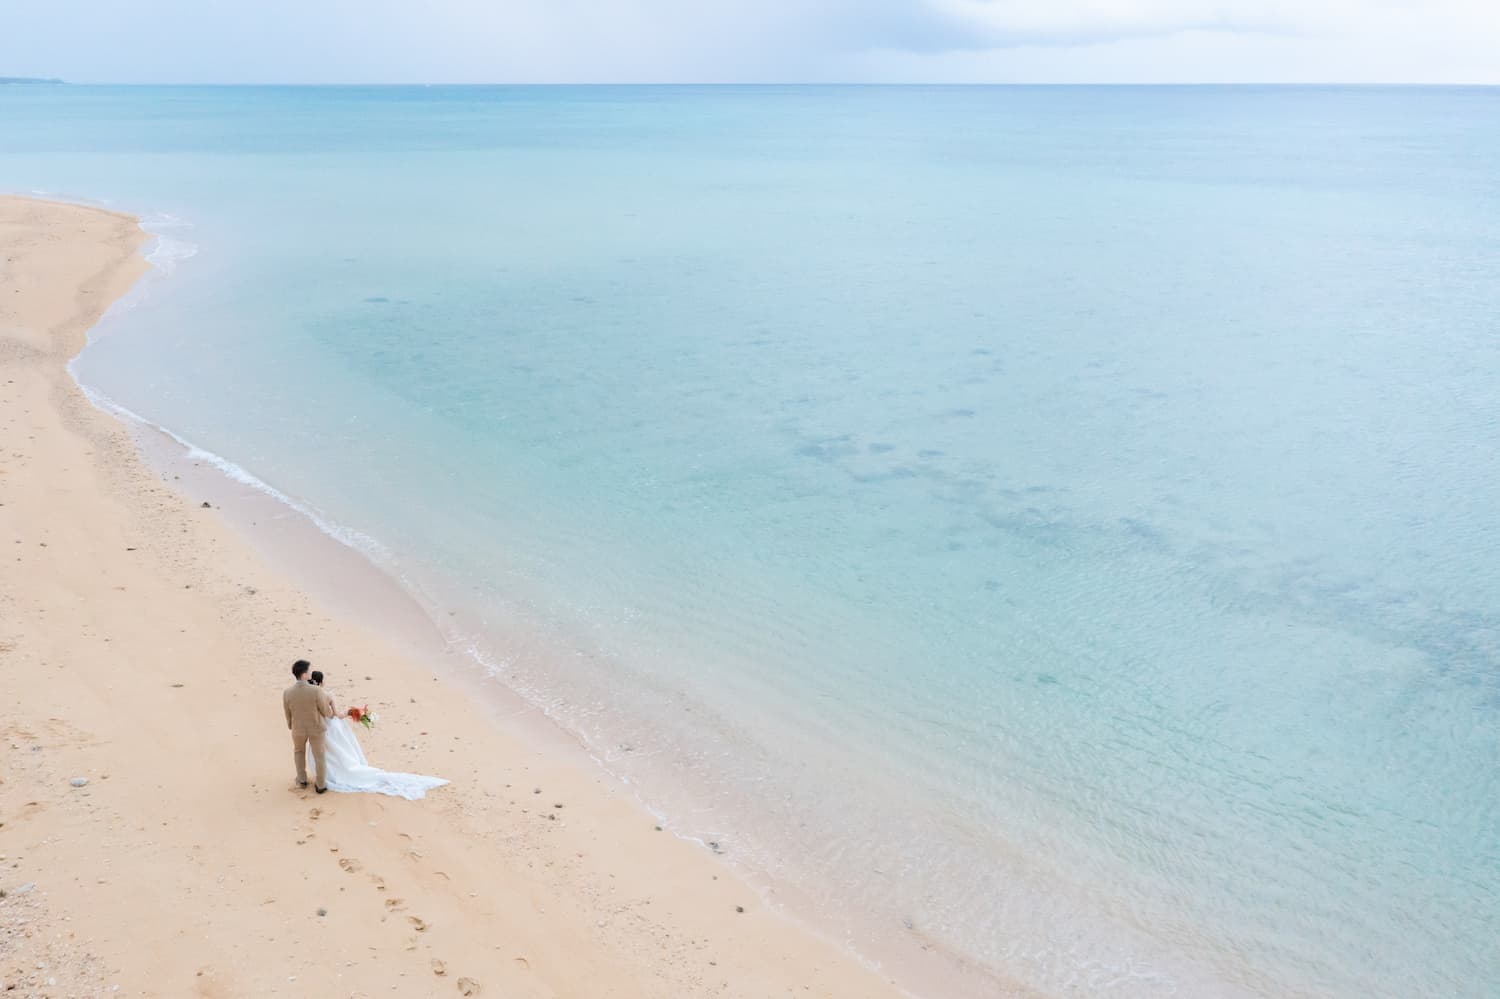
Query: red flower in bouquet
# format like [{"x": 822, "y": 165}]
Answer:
[{"x": 363, "y": 716}]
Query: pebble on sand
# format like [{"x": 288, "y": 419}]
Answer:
[{"x": 79, "y": 781}]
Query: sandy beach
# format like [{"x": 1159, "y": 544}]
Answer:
[{"x": 152, "y": 842}]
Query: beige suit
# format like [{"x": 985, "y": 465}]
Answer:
[{"x": 307, "y": 710}]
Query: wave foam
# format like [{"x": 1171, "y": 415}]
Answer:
[
  {"x": 347, "y": 536},
  {"x": 167, "y": 251}
]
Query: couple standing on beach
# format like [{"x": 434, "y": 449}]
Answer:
[
  {"x": 321, "y": 733},
  {"x": 308, "y": 708}
]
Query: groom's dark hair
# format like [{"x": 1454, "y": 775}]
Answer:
[{"x": 300, "y": 667}]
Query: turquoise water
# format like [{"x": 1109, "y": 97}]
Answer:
[{"x": 1055, "y": 526}]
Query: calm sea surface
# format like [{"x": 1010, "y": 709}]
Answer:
[{"x": 1060, "y": 527}]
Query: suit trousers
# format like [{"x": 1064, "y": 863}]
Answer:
[{"x": 300, "y": 742}]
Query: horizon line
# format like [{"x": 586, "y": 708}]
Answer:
[{"x": 54, "y": 82}]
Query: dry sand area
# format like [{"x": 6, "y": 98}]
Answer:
[{"x": 152, "y": 842}]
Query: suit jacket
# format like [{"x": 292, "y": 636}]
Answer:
[{"x": 307, "y": 708}]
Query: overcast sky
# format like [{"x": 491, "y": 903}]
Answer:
[{"x": 557, "y": 41}]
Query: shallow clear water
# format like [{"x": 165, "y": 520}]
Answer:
[{"x": 1057, "y": 525}]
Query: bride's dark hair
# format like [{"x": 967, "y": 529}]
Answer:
[{"x": 317, "y": 677}]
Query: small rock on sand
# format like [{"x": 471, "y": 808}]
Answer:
[{"x": 79, "y": 782}]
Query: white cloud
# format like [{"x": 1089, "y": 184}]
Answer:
[
  {"x": 993, "y": 24},
  {"x": 1356, "y": 41},
  {"x": 751, "y": 40},
  {"x": 1005, "y": 23}
]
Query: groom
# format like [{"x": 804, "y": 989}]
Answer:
[{"x": 307, "y": 708}]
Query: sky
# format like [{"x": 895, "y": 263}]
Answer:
[{"x": 726, "y": 41}]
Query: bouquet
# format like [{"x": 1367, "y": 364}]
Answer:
[{"x": 364, "y": 716}]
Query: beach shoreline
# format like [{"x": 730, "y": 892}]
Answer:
[{"x": 145, "y": 638}]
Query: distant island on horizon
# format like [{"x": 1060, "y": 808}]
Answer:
[{"x": 29, "y": 79}]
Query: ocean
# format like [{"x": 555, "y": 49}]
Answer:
[{"x": 1049, "y": 531}]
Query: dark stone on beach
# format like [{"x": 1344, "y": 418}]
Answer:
[
  {"x": 207, "y": 505},
  {"x": 322, "y": 912},
  {"x": 739, "y": 908}
]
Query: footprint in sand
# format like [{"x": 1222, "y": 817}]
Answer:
[
  {"x": 378, "y": 882},
  {"x": 394, "y": 903},
  {"x": 351, "y": 866},
  {"x": 418, "y": 923},
  {"x": 315, "y": 814},
  {"x": 439, "y": 968},
  {"x": 525, "y": 964},
  {"x": 468, "y": 987}
]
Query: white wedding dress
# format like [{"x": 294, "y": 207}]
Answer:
[{"x": 348, "y": 770}]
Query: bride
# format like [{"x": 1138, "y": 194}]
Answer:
[{"x": 349, "y": 771}]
